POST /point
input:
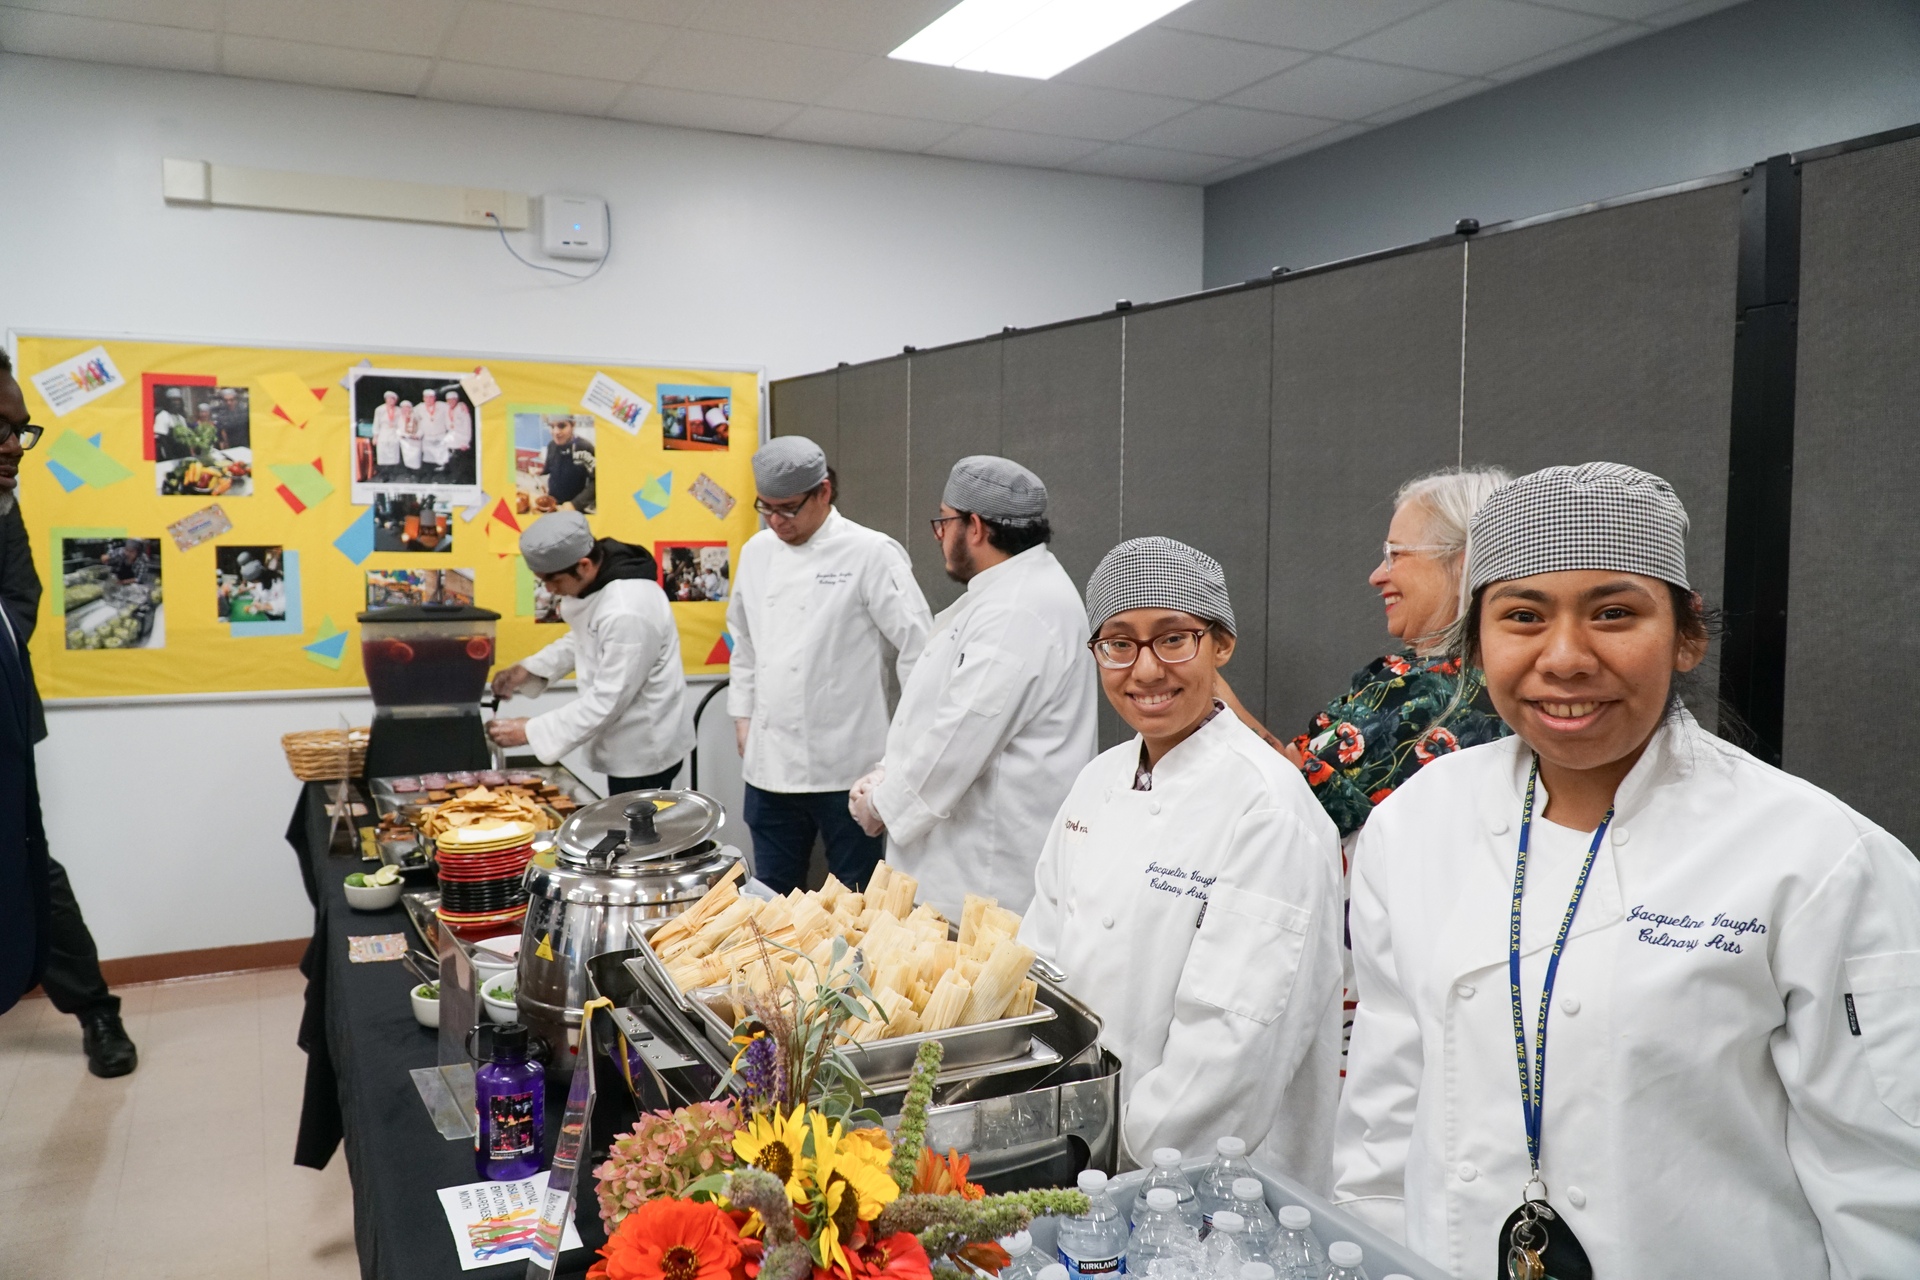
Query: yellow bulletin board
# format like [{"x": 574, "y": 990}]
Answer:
[{"x": 144, "y": 439}]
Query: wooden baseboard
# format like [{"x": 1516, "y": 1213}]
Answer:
[{"x": 250, "y": 957}]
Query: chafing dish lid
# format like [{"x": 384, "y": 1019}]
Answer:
[{"x": 681, "y": 825}]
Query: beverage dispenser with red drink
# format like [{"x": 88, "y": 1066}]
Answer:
[{"x": 427, "y": 666}]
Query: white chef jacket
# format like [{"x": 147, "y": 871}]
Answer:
[
  {"x": 1710, "y": 1107},
  {"x": 992, "y": 729},
  {"x": 459, "y": 426},
  {"x": 814, "y": 627},
  {"x": 624, "y": 649},
  {"x": 386, "y": 436},
  {"x": 1226, "y": 1022}
]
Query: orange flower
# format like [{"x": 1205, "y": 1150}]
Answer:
[
  {"x": 934, "y": 1176},
  {"x": 898, "y": 1257},
  {"x": 672, "y": 1240}
]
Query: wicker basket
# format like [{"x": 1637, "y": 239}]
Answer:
[{"x": 326, "y": 755}]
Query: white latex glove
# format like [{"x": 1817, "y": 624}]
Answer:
[
  {"x": 740, "y": 726},
  {"x": 860, "y": 803}
]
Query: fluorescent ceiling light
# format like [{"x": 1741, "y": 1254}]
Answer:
[{"x": 1037, "y": 39}]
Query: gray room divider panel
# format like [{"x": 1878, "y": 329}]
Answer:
[
  {"x": 872, "y": 459},
  {"x": 1853, "y": 651},
  {"x": 809, "y": 407},
  {"x": 1195, "y": 456},
  {"x": 1366, "y": 395},
  {"x": 956, "y": 412},
  {"x": 1061, "y": 417}
]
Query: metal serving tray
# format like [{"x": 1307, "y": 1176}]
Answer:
[
  {"x": 390, "y": 801},
  {"x": 880, "y": 1063}
]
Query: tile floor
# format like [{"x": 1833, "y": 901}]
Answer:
[{"x": 185, "y": 1167}]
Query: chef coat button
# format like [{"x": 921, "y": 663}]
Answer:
[
  {"x": 1106, "y": 922},
  {"x": 1576, "y": 1197},
  {"x": 1153, "y": 806},
  {"x": 1498, "y": 826},
  {"x": 1465, "y": 990},
  {"x": 1621, "y": 835},
  {"x": 1570, "y": 1004},
  {"x": 1467, "y": 1172}
]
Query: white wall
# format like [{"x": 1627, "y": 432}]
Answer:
[{"x": 727, "y": 250}]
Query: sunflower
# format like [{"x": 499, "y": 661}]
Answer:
[
  {"x": 777, "y": 1143},
  {"x": 860, "y": 1159}
]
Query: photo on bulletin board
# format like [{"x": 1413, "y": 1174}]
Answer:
[
  {"x": 389, "y": 588},
  {"x": 110, "y": 593},
  {"x": 695, "y": 417},
  {"x": 693, "y": 572},
  {"x": 412, "y": 522},
  {"x": 249, "y": 584},
  {"x": 554, "y": 462},
  {"x": 532, "y": 599},
  {"x": 198, "y": 435},
  {"x": 414, "y": 433}
]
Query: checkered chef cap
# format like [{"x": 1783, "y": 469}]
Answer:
[
  {"x": 1158, "y": 573},
  {"x": 1599, "y": 515},
  {"x": 996, "y": 489}
]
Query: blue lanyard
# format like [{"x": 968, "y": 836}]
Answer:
[{"x": 1533, "y": 1076}]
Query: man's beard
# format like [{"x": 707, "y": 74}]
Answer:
[
  {"x": 7, "y": 499},
  {"x": 959, "y": 563}
]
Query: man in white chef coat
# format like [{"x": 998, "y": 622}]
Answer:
[
  {"x": 998, "y": 719},
  {"x": 622, "y": 646},
  {"x": 820, "y": 608},
  {"x": 430, "y": 417}
]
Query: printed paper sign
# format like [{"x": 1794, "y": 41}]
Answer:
[
  {"x": 711, "y": 496},
  {"x": 379, "y": 946},
  {"x": 623, "y": 408},
  {"x": 480, "y": 386},
  {"x": 81, "y": 380},
  {"x": 495, "y": 1222},
  {"x": 208, "y": 522}
]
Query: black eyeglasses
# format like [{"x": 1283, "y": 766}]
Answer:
[
  {"x": 937, "y": 521},
  {"x": 27, "y": 433},
  {"x": 786, "y": 511},
  {"x": 1119, "y": 652}
]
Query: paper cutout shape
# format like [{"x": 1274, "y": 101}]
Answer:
[
  {"x": 710, "y": 495},
  {"x": 722, "y": 651},
  {"x": 356, "y": 543},
  {"x": 346, "y": 383},
  {"x": 81, "y": 380},
  {"x": 297, "y": 505},
  {"x": 467, "y": 514},
  {"x": 654, "y": 495},
  {"x": 290, "y": 624},
  {"x": 208, "y": 522},
  {"x": 479, "y": 386},
  {"x": 329, "y": 648},
  {"x": 86, "y": 461},
  {"x": 293, "y": 399},
  {"x": 503, "y": 530},
  {"x": 304, "y": 482},
  {"x": 605, "y": 398},
  {"x": 95, "y": 439},
  {"x": 67, "y": 479}
]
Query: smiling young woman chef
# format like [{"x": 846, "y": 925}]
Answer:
[
  {"x": 1190, "y": 886},
  {"x": 1735, "y": 994}
]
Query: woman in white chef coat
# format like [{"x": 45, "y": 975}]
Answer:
[
  {"x": 1735, "y": 1006},
  {"x": 1190, "y": 887},
  {"x": 386, "y": 435}
]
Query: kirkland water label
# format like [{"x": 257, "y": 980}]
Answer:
[{"x": 1093, "y": 1266}]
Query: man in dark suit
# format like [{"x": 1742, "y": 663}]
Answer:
[{"x": 63, "y": 957}]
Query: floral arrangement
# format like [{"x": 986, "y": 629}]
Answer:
[{"x": 807, "y": 1184}]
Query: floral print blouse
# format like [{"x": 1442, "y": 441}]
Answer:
[{"x": 1369, "y": 741}]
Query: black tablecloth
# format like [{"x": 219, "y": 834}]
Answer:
[{"x": 361, "y": 1040}]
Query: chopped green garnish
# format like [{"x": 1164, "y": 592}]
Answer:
[{"x": 428, "y": 991}]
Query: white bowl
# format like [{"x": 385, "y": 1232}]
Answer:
[
  {"x": 425, "y": 1012},
  {"x": 498, "y": 995},
  {"x": 486, "y": 968},
  {"x": 373, "y": 897}
]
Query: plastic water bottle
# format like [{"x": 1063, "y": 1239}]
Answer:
[
  {"x": 1160, "y": 1232},
  {"x": 1262, "y": 1271},
  {"x": 1227, "y": 1246},
  {"x": 1167, "y": 1173},
  {"x": 1026, "y": 1260},
  {"x": 1094, "y": 1243},
  {"x": 1052, "y": 1271},
  {"x": 1215, "y": 1191},
  {"x": 1344, "y": 1257},
  {"x": 1296, "y": 1254},
  {"x": 1250, "y": 1202}
]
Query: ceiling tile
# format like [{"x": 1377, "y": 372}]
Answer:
[
  {"x": 1474, "y": 37},
  {"x": 1007, "y": 146},
  {"x": 510, "y": 87},
  {"x": 859, "y": 129},
  {"x": 1572, "y": 52},
  {"x": 1339, "y": 133},
  {"x": 1125, "y": 161},
  {"x": 1181, "y": 64},
  {"x": 859, "y": 26},
  {"x": 202, "y": 15},
  {"x": 666, "y": 12},
  {"x": 889, "y": 87},
  {"x": 714, "y": 63},
  {"x": 263, "y": 59},
  {"x": 1406, "y": 110},
  {"x": 1625, "y": 10},
  {"x": 1233, "y": 170},
  {"x": 1082, "y": 111},
  {"x": 60, "y": 35},
  {"x": 1688, "y": 12},
  {"x": 1296, "y": 24},
  {"x": 1341, "y": 88},
  {"x": 565, "y": 44},
  {"x": 725, "y": 112},
  {"x": 418, "y": 26},
  {"x": 1230, "y": 131}
]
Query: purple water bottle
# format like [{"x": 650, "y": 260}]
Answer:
[{"x": 509, "y": 1090}]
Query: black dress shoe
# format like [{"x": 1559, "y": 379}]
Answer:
[{"x": 110, "y": 1052}]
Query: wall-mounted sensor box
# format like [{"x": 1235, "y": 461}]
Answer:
[{"x": 572, "y": 226}]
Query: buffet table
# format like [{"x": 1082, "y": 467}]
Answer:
[{"x": 362, "y": 1040}]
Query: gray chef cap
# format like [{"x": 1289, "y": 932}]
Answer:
[
  {"x": 556, "y": 541},
  {"x": 1158, "y": 573},
  {"x": 788, "y": 466},
  {"x": 996, "y": 489},
  {"x": 1599, "y": 515}
]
